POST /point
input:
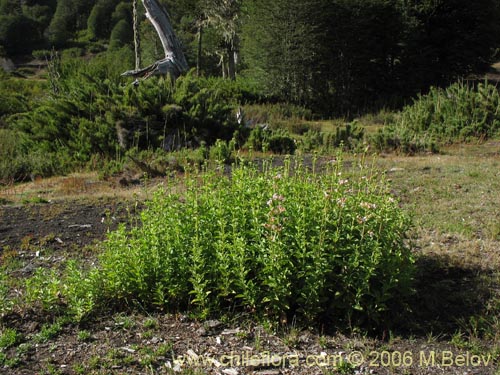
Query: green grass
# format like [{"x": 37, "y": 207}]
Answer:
[
  {"x": 8, "y": 338},
  {"x": 49, "y": 332},
  {"x": 455, "y": 193}
]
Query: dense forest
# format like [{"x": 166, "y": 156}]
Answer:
[{"x": 321, "y": 58}]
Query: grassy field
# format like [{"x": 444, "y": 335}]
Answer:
[{"x": 453, "y": 198}]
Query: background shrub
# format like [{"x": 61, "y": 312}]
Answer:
[{"x": 461, "y": 112}]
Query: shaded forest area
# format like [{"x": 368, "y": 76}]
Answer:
[
  {"x": 307, "y": 59},
  {"x": 333, "y": 56}
]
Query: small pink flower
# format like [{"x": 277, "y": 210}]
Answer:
[
  {"x": 341, "y": 202},
  {"x": 368, "y": 206},
  {"x": 362, "y": 220},
  {"x": 278, "y": 197}
]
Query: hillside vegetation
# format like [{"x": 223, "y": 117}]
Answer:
[
  {"x": 265, "y": 191},
  {"x": 315, "y": 58}
]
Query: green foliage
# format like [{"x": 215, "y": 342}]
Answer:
[
  {"x": 18, "y": 162},
  {"x": 220, "y": 152},
  {"x": 8, "y": 338},
  {"x": 458, "y": 113},
  {"x": 257, "y": 140},
  {"x": 80, "y": 289},
  {"x": 276, "y": 241},
  {"x": 347, "y": 56},
  {"x": 69, "y": 16},
  {"x": 43, "y": 290},
  {"x": 49, "y": 331},
  {"x": 280, "y": 43},
  {"x": 61, "y": 26},
  {"x": 277, "y": 141},
  {"x": 18, "y": 34},
  {"x": 120, "y": 35},
  {"x": 275, "y": 113},
  {"x": 6, "y": 303},
  {"x": 280, "y": 143},
  {"x": 99, "y": 23},
  {"x": 348, "y": 137},
  {"x": 89, "y": 116}
]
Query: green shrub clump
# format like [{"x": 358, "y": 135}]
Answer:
[
  {"x": 459, "y": 113},
  {"x": 271, "y": 241}
]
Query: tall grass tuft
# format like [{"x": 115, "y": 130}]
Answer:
[{"x": 272, "y": 241}]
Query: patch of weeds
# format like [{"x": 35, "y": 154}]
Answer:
[
  {"x": 291, "y": 338},
  {"x": 8, "y": 338},
  {"x": 44, "y": 289},
  {"x": 49, "y": 332},
  {"x": 146, "y": 357},
  {"x": 35, "y": 200},
  {"x": 128, "y": 359},
  {"x": 51, "y": 369},
  {"x": 9, "y": 362},
  {"x": 26, "y": 242},
  {"x": 84, "y": 336},
  {"x": 257, "y": 344},
  {"x": 94, "y": 362},
  {"x": 24, "y": 348},
  {"x": 151, "y": 323},
  {"x": 242, "y": 335},
  {"x": 163, "y": 349},
  {"x": 147, "y": 334},
  {"x": 205, "y": 253},
  {"x": 432, "y": 338},
  {"x": 124, "y": 322},
  {"x": 461, "y": 341},
  {"x": 47, "y": 239},
  {"x": 323, "y": 342},
  {"x": 345, "y": 368},
  {"x": 8, "y": 256},
  {"x": 79, "y": 369},
  {"x": 6, "y": 303}
]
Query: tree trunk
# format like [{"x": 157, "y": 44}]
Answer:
[
  {"x": 231, "y": 64},
  {"x": 198, "y": 57},
  {"x": 174, "y": 63}
]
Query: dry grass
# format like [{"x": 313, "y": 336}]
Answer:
[
  {"x": 75, "y": 186},
  {"x": 454, "y": 193}
]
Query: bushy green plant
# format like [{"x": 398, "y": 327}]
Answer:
[
  {"x": 277, "y": 141},
  {"x": 275, "y": 113},
  {"x": 312, "y": 140},
  {"x": 459, "y": 113},
  {"x": 349, "y": 137},
  {"x": 43, "y": 290},
  {"x": 8, "y": 338},
  {"x": 220, "y": 152},
  {"x": 280, "y": 143},
  {"x": 273, "y": 241}
]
